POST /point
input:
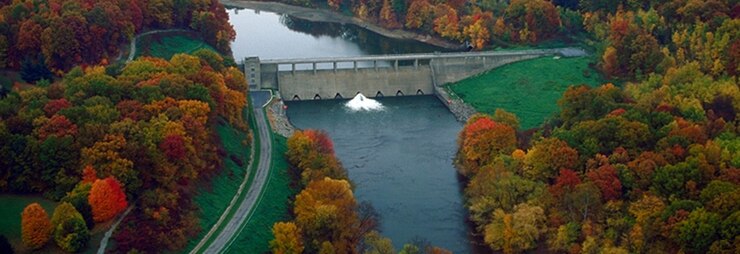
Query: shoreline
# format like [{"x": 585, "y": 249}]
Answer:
[{"x": 322, "y": 15}]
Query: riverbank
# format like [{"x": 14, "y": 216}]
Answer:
[{"x": 321, "y": 15}]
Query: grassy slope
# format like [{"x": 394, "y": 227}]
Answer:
[
  {"x": 215, "y": 197},
  {"x": 530, "y": 89},
  {"x": 273, "y": 206},
  {"x": 165, "y": 46}
]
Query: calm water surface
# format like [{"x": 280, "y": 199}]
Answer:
[
  {"x": 401, "y": 158},
  {"x": 401, "y": 161}
]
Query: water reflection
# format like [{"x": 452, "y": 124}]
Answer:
[
  {"x": 276, "y": 36},
  {"x": 367, "y": 40},
  {"x": 400, "y": 158}
]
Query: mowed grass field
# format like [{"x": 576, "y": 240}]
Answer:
[
  {"x": 273, "y": 207},
  {"x": 168, "y": 44},
  {"x": 530, "y": 89},
  {"x": 10, "y": 213}
]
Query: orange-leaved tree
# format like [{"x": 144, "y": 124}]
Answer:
[
  {"x": 106, "y": 199},
  {"x": 481, "y": 140},
  {"x": 35, "y": 226},
  {"x": 287, "y": 240}
]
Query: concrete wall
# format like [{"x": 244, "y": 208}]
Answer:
[
  {"x": 449, "y": 70},
  {"x": 347, "y": 82},
  {"x": 408, "y": 80},
  {"x": 268, "y": 76}
]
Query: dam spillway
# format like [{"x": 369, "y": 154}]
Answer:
[{"x": 381, "y": 75}]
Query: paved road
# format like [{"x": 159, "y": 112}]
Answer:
[{"x": 234, "y": 224}]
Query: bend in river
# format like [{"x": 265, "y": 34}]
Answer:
[{"x": 400, "y": 158}]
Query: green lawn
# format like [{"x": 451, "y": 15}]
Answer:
[
  {"x": 273, "y": 207},
  {"x": 166, "y": 45},
  {"x": 10, "y": 213},
  {"x": 530, "y": 89}
]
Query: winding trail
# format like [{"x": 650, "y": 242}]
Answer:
[
  {"x": 234, "y": 224},
  {"x": 132, "y": 46},
  {"x": 109, "y": 233}
]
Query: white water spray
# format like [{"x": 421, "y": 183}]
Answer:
[{"x": 362, "y": 103}]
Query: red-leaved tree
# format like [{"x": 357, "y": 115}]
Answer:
[
  {"x": 106, "y": 199},
  {"x": 173, "y": 147},
  {"x": 605, "y": 177}
]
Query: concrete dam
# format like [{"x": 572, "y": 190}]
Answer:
[{"x": 378, "y": 76}]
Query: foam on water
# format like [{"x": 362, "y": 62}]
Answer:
[{"x": 362, "y": 103}]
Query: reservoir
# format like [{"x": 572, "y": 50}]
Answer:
[{"x": 399, "y": 158}]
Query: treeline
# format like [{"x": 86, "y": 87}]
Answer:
[
  {"x": 45, "y": 37},
  {"x": 477, "y": 22},
  {"x": 635, "y": 41},
  {"x": 623, "y": 172},
  {"x": 327, "y": 218},
  {"x": 92, "y": 200},
  {"x": 648, "y": 168},
  {"x": 148, "y": 130}
]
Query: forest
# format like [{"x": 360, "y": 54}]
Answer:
[
  {"x": 100, "y": 136},
  {"x": 649, "y": 165},
  {"x": 47, "y": 38},
  {"x": 646, "y": 164},
  {"x": 96, "y": 141}
]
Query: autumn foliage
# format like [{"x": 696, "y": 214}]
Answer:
[
  {"x": 107, "y": 199},
  {"x": 328, "y": 219},
  {"x": 481, "y": 140},
  {"x": 35, "y": 226},
  {"x": 287, "y": 240},
  {"x": 645, "y": 169},
  {"x": 70, "y": 231},
  {"x": 59, "y": 35},
  {"x": 312, "y": 152}
]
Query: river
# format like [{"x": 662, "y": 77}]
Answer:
[{"x": 400, "y": 159}]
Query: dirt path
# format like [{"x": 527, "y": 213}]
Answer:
[
  {"x": 132, "y": 45},
  {"x": 321, "y": 15}
]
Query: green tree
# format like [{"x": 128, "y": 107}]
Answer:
[
  {"x": 70, "y": 230},
  {"x": 547, "y": 157},
  {"x": 78, "y": 198},
  {"x": 716, "y": 188},
  {"x": 489, "y": 192},
  {"x": 584, "y": 202},
  {"x": 671, "y": 180},
  {"x": 698, "y": 232}
]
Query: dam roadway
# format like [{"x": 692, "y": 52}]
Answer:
[{"x": 380, "y": 75}]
